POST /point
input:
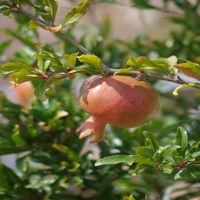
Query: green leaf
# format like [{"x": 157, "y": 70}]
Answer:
[
  {"x": 144, "y": 151},
  {"x": 183, "y": 86},
  {"x": 23, "y": 76},
  {"x": 182, "y": 138},
  {"x": 42, "y": 88},
  {"x": 13, "y": 67},
  {"x": 64, "y": 149},
  {"x": 150, "y": 141},
  {"x": 70, "y": 60},
  {"x": 81, "y": 69},
  {"x": 16, "y": 137},
  {"x": 190, "y": 69},
  {"x": 91, "y": 60},
  {"x": 167, "y": 169},
  {"x": 122, "y": 71},
  {"x": 116, "y": 159},
  {"x": 4, "y": 45},
  {"x": 144, "y": 161},
  {"x": 144, "y": 62},
  {"x": 168, "y": 151},
  {"x": 41, "y": 182},
  {"x": 76, "y": 13},
  {"x": 165, "y": 62},
  {"x": 191, "y": 65},
  {"x": 34, "y": 25},
  {"x": 132, "y": 63},
  {"x": 47, "y": 9},
  {"x": 52, "y": 8},
  {"x": 129, "y": 198},
  {"x": 160, "y": 65},
  {"x": 3, "y": 8}
]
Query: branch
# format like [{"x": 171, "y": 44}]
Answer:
[
  {"x": 135, "y": 74},
  {"x": 142, "y": 74},
  {"x": 75, "y": 43},
  {"x": 71, "y": 40}
]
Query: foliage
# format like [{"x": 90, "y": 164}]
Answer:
[{"x": 150, "y": 160}]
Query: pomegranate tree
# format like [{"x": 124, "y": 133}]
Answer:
[{"x": 117, "y": 100}]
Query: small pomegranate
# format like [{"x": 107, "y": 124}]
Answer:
[
  {"x": 24, "y": 93},
  {"x": 117, "y": 100}
]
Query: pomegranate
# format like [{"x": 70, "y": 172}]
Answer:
[
  {"x": 117, "y": 100},
  {"x": 24, "y": 92}
]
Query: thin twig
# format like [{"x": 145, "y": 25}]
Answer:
[
  {"x": 83, "y": 49},
  {"x": 142, "y": 74},
  {"x": 75, "y": 43},
  {"x": 71, "y": 40}
]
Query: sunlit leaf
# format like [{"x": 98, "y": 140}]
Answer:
[
  {"x": 132, "y": 62},
  {"x": 4, "y": 45},
  {"x": 13, "y": 66},
  {"x": 183, "y": 86},
  {"x": 122, "y": 71},
  {"x": 41, "y": 88},
  {"x": 129, "y": 198},
  {"x": 76, "y": 13},
  {"x": 116, "y": 159},
  {"x": 190, "y": 69},
  {"x": 181, "y": 138},
  {"x": 34, "y": 25},
  {"x": 70, "y": 60},
  {"x": 145, "y": 151},
  {"x": 92, "y": 60}
]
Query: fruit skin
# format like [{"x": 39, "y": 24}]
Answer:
[
  {"x": 117, "y": 100},
  {"x": 24, "y": 92}
]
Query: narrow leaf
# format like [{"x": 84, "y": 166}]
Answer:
[
  {"x": 4, "y": 45},
  {"x": 151, "y": 141},
  {"x": 116, "y": 159},
  {"x": 129, "y": 198},
  {"x": 132, "y": 62},
  {"x": 91, "y": 60},
  {"x": 145, "y": 151},
  {"x": 190, "y": 69},
  {"x": 180, "y": 87},
  {"x": 181, "y": 138},
  {"x": 53, "y": 7},
  {"x": 76, "y": 13},
  {"x": 13, "y": 66},
  {"x": 70, "y": 60},
  {"x": 122, "y": 71},
  {"x": 41, "y": 89}
]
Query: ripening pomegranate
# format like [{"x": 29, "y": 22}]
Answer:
[
  {"x": 117, "y": 100},
  {"x": 24, "y": 93}
]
